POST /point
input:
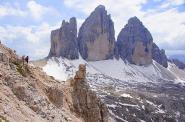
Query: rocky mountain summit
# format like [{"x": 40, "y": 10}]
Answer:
[
  {"x": 134, "y": 43},
  {"x": 96, "y": 41},
  {"x": 28, "y": 94},
  {"x": 96, "y": 36},
  {"x": 64, "y": 40}
]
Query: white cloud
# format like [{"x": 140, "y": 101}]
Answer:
[
  {"x": 167, "y": 28},
  {"x": 8, "y": 10},
  {"x": 175, "y": 2},
  {"x": 29, "y": 40},
  {"x": 120, "y": 11},
  {"x": 37, "y": 11},
  {"x": 171, "y": 3},
  {"x": 33, "y": 9},
  {"x": 166, "y": 25}
]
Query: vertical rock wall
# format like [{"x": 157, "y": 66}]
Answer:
[
  {"x": 64, "y": 40},
  {"x": 96, "y": 36}
]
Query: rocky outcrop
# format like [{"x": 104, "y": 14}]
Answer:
[
  {"x": 32, "y": 97},
  {"x": 39, "y": 98},
  {"x": 96, "y": 36},
  {"x": 134, "y": 43},
  {"x": 178, "y": 63},
  {"x": 159, "y": 55},
  {"x": 88, "y": 105},
  {"x": 64, "y": 40}
]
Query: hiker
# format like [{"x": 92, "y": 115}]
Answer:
[
  {"x": 27, "y": 59},
  {"x": 23, "y": 58}
]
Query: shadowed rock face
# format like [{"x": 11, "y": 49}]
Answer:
[
  {"x": 64, "y": 40},
  {"x": 134, "y": 43},
  {"x": 159, "y": 55},
  {"x": 96, "y": 36}
]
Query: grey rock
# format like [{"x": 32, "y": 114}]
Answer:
[
  {"x": 178, "y": 63},
  {"x": 134, "y": 43},
  {"x": 64, "y": 40},
  {"x": 159, "y": 55},
  {"x": 96, "y": 36}
]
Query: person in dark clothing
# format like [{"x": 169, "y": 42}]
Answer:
[{"x": 27, "y": 59}]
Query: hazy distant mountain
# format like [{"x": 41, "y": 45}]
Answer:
[{"x": 179, "y": 57}]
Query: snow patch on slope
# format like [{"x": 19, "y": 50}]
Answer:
[
  {"x": 126, "y": 95},
  {"x": 62, "y": 69},
  {"x": 52, "y": 68},
  {"x": 129, "y": 72},
  {"x": 179, "y": 73}
]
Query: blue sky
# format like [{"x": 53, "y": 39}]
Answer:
[{"x": 25, "y": 25}]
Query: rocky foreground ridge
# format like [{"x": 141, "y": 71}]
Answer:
[
  {"x": 28, "y": 94},
  {"x": 96, "y": 41}
]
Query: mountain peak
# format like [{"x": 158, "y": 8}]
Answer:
[
  {"x": 96, "y": 36},
  {"x": 72, "y": 21},
  {"x": 135, "y": 43},
  {"x": 134, "y": 20},
  {"x": 100, "y": 7},
  {"x": 59, "y": 45}
]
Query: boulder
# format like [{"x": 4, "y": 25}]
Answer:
[
  {"x": 96, "y": 36},
  {"x": 64, "y": 40},
  {"x": 134, "y": 43}
]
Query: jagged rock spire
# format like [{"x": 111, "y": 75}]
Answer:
[
  {"x": 64, "y": 40},
  {"x": 134, "y": 43},
  {"x": 96, "y": 36}
]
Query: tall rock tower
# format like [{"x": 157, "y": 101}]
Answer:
[
  {"x": 134, "y": 43},
  {"x": 64, "y": 40},
  {"x": 96, "y": 37}
]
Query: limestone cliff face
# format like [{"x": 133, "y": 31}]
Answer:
[
  {"x": 159, "y": 55},
  {"x": 64, "y": 40},
  {"x": 134, "y": 43},
  {"x": 96, "y": 36},
  {"x": 85, "y": 102}
]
